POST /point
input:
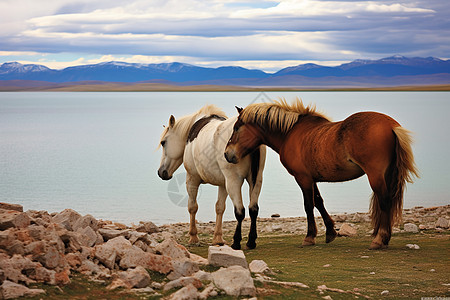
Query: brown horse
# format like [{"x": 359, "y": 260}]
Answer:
[{"x": 314, "y": 149}]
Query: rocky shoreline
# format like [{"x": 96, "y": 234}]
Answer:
[{"x": 42, "y": 247}]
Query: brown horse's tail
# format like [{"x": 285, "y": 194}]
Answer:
[{"x": 402, "y": 169}]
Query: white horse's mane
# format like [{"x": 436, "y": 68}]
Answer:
[{"x": 184, "y": 124}]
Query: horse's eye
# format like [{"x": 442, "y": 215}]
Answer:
[{"x": 163, "y": 143}]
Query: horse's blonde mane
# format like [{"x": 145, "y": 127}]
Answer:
[
  {"x": 184, "y": 124},
  {"x": 277, "y": 115}
]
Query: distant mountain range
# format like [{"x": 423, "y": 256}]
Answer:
[{"x": 394, "y": 70}]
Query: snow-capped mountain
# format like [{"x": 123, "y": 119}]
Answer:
[{"x": 115, "y": 71}]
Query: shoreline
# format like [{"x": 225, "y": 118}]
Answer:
[
  {"x": 424, "y": 217},
  {"x": 158, "y": 87}
]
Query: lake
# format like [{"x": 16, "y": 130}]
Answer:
[{"x": 97, "y": 152}]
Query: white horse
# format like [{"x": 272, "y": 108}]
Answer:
[{"x": 199, "y": 141}]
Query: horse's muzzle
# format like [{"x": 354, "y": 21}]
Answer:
[
  {"x": 164, "y": 175},
  {"x": 231, "y": 158}
]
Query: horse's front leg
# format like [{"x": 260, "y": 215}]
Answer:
[
  {"x": 220, "y": 208},
  {"x": 192, "y": 184},
  {"x": 253, "y": 210},
  {"x": 234, "y": 190},
  {"x": 308, "y": 199},
  {"x": 329, "y": 223}
]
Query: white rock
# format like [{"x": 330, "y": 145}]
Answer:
[
  {"x": 203, "y": 276},
  {"x": 11, "y": 290},
  {"x": 385, "y": 293},
  {"x": 347, "y": 230},
  {"x": 183, "y": 267},
  {"x": 225, "y": 256},
  {"x": 183, "y": 281},
  {"x": 410, "y": 227},
  {"x": 13, "y": 267},
  {"x": 170, "y": 248},
  {"x": 198, "y": 259},
  {"x": 443, "y": 223},
  {"x": 156, "y": 285},
  {"x": 67, "y": 218},
  {"x": 106, "y": 253},
  {"x": 209, "y": 291},
  {"x": 118, "y": 283},
  {"x": 88, "y": 236},
  {"x": 147, "y": 227},
  {"x": 187, "y": 293},
  {"x": 13, "y": 218},
  {"x": 136, "y": 236},
  {"x": 259, "y": 266},
  {"x": 147, "y": 290},
  {"x": 88, "y": 268},
  {"x": 235, "y": 281},
  {"x": 86, "y": 221},
  {"x": 413, "y": 246},
  {"x": 136, "y": 278},
  {"x": 109, "y": 234}
]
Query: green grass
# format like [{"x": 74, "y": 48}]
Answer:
[{"x": 405, "y": 273}]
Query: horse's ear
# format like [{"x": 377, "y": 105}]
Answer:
[
  {"x": 239, "y": 109},
  {"x": 171, "y": 121}
]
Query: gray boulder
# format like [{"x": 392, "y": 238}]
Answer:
[
  {"x": 11, "y": 290},
  {"x": 235, "y": 281},
  {"x": 225, "y": 256}
]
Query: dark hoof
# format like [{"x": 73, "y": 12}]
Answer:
[
  {"x": 251, "y": 245},
  {"x": 236, "y": 246},
  {"x": 331, "y": 237},
  {"x": 377, "y": 246},
  {"x": 309, "y": 241}
]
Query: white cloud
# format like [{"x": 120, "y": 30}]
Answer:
[{"x": 324, "y": 8}]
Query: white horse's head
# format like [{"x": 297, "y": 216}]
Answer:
[{"x": 173, "y": 144}]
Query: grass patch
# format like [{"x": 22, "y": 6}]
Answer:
[{"x": 347, "y": 264}]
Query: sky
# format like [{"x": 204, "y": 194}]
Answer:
[{"x": 266, "y": 35}]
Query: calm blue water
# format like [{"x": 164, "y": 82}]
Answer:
[{"x": 96, "y": 152}]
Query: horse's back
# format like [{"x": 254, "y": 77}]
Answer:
[{"x": 339, "y": 151}]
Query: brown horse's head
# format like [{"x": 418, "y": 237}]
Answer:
[{"x": 243, "y": 141}]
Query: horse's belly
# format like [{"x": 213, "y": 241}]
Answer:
[
  {"x": 339, "y": 173},
  {"x": 212, "y": 176}
]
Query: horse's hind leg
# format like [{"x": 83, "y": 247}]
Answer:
[
  {"x": 308, "y": 199},
  {"x": 381, "y": 212},
  {"x": 192, "y": 184},
  {"x": 220, "y": 208},
  {"x": 329, "y": 223}
]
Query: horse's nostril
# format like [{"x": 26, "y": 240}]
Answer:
[{"x": 163, "y": 174}]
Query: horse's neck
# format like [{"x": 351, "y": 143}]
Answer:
[
  {"x": 186, "y": 123},
  {"x": 273, "y": 139}
]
